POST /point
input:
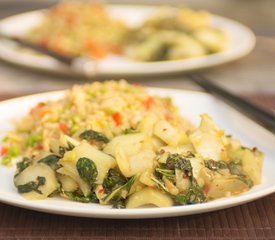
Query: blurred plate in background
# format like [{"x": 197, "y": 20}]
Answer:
[{"x": 242, "y": 41}]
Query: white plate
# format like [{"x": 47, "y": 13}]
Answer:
[
  {"x": 242, "y": 41},
  {"x": 191, "y": 105}
]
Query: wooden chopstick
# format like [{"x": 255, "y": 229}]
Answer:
[{"x": 259, "y": 115}]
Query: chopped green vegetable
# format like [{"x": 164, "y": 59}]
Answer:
[
  {"x": 62, "y": 151},
  {"x": 91, "y": 135},
  {"x": 6, "y": 160},
  {"x": 75, "y": 196},
  {"x": 32, "y": 186},
  {"x": 21, "y": 166},
  {"x": 113, "y": 180},
  {"x": 177, "y": 161},
  {"x": 159, "y": 183},
  {"x": 120, "y": 204},
  {"x": 33, "y": 139},
  {"x": 215, "y": 165},
  {"x": 87, "y": 170},
  {"x": 234, "y": 168},
  {"x": 74, "y": 128},
  {"x": 50, "y": 160},
  {"x": 70, "y": 146},
  {"x": 12, "y": 153},
  {"x": 120, "y": 193},
  {"x": 194, "y": 194},
  {"x": 129, "y": 131},
  {"x": 167, "y": 173},
  {"x": 5, "y": 139}
]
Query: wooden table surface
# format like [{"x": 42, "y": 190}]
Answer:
[{"x": 252, "y": 76}]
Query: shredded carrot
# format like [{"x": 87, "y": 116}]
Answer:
[
  {"x": 4, "y": 150},
  {"x": 39, "y": 147},
  {"x": 168, "y": 116},
  {"x": 149, "y": 102},
  {"x": 117, "y": 118},
  {"x": 38, "y": 106},
  {"x": 101, "y": 190},
  {"x": 64, "y": 127},
  {"x": 44, "y": 112},
  {"x": 206, "y": 189},
  {"x": 95, "y": 49}
]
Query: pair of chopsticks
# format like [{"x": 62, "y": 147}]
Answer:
[{"x": 259, "y": 115}]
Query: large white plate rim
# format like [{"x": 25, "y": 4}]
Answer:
[{"x": 102, "y": 212}]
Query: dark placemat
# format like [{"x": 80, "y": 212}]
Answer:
[{"x": 254, "y": 220}]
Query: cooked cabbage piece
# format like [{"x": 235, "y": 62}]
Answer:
[
  {"x": 67, "y": 183},
  {"x": 102, "y": 161},
  {"x": 213, "y": 39},
  {"x": 226, "y": 187},
  {"x": 149, "y": 196},
  {"x": 134, "y": 164},
  {"x": 36, "y": 182},
  {"x": 251, "y": 161},
  {"x": 130, "y": 143},
  {"x": 169, "y": 134},
  {"x": 208, "y": 140},
  {"x": 173, "y": 34}
]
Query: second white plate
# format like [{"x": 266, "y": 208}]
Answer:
[{"x": 242, "y": 41}]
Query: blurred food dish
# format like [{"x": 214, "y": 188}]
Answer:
[
  {"x": 86, "y": 29},
  {"x": 80, "y": 29},
  {"x": 176, "y": 33},
  {"x": 123, "y": 39}
]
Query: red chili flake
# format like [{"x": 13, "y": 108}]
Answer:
[
  {"x": 101, "y": 191},
  {"x": 168, "y": 116},
  {"x": 254, "y": 149},
  {"x": 162, "y": 151},
  {"x": 4, "y": 150},
  {"x": 43, "y": 113},
  {"x": 63, "y": 127},
  {"x": 206, "y": 189},
  {"x": 39, "y": 105},
  {"x": 149, "y": 102},
  {"x": 39, "y": 147},
  {"x": 117, "y": 118}
]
